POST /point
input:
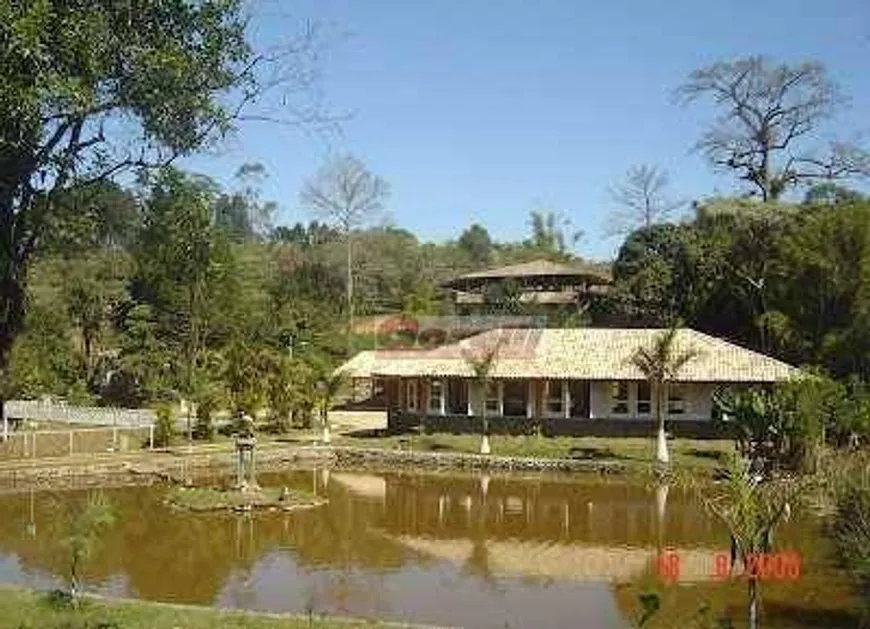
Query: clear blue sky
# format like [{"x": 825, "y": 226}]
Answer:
[{"x": 484, "y": 111}]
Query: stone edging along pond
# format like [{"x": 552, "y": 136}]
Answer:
[{"x": 151, "y": 467}]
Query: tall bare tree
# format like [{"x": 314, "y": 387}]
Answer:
[
  {"x": 642, "y": 198},
  {"x": 347, "y": 194},
  {"x": 769, "y": 115}
]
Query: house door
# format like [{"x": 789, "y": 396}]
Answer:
[
  {"x": 457, "y": 397},
  {"x": 579, "y": 391},
  {"x": 516, "y": 397}
]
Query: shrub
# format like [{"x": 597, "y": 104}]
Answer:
[
  {"x": 164, "y": 427},
  {"x": 204, "y": 427},
  {"x": 789, "y": 425},
  {"x": 850, "y": 524}
]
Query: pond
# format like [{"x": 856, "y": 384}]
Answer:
[{"x": 482, "y": 552}]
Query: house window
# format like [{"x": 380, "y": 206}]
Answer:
[
  {"x": 411, "y": 395},
  {"x": 676, "y": 400},
  {"x": 644, "y": 398},
  {"x": 492, "y": 400},
  {"x": 619, "y": 395},
  {"x": 436, "y": 397},
  {"x": 554, "y": 394}
]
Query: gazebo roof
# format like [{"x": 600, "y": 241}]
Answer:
[{"x": 535, "y": 269}]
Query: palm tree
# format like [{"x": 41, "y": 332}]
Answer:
[
  {"x": 482, "y": 364},
  {"x": 328, "y": 387},
  {"x": 660, "y": 364},
  {"x": 752, "y": 509}
]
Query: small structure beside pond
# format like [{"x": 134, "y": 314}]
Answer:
[{"x": 245, "y": 494}]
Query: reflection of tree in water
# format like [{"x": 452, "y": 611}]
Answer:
[{"x": 241, "y": 589}]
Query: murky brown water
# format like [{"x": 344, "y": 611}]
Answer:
[{"x": 471, "y": 551}]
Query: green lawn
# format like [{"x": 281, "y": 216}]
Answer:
[
  {"x": 685, "y": 453},
  {"x": 24, "y": 609}
]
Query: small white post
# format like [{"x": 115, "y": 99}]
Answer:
[
  {"x": 468, "y": 390},
  {"x": 151, "y": 437},
  {"x": 70, "y": 442},
  {"x": 566, "y": 399},
  {"x": 530, "y": 399},
  {"x": 115, "y": 438}
]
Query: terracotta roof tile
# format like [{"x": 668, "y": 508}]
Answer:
[{"x": 581, "y": 353}]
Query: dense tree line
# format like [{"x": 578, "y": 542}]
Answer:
[
  {"x": 169, "y": 291},
  {"x": 786, "y": 279}
]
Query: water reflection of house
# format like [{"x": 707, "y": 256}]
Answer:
[
  {"x": 617, "y": 564},
  {"x": 568, "y": 381},
  {"x": 366, "y": 485},
  {"x": 548, "y": 529}
]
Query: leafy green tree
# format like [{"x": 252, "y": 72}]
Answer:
[
  {"x": 656, "y": 276},
  {"x": 245, "y": 377},
  {"x": 476, "y": 243},
  {"x": 832, "y": 194},
  {"x": 145, "y": 364},
  {"x": 93, "y": 288},
  {"x": 755, "y": 421},
  {"x": 290, "y": 391},
  {"x": 85, "y": 527},
  {"x": 315, "y": 233},
  {"x": 94, "y": 88},
  {"x": 42, "y": 360},
  {"x": 660, "y": 364},
  {"x": 242, "y": 214},
  {"x": 552, "y": 233},
  {"x": 100, "y": 215},
  {"x": 180, "y": 259}
]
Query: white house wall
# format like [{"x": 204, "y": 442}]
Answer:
[{"x": 698, "y": 398}]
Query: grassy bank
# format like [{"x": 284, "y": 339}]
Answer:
[
  {"x": 636, "y": 453},
  {"x": 25, "y": 609}
]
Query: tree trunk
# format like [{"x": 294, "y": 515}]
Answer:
[
  {"x": 12, "y": 291},
  {"x": 662, "y": 455},
  {"x": 484, "y": 441},
  {"x": 753, "y": 603},
  {"x": 324, "y": 421},
  {"x": 349, "y": 290}
]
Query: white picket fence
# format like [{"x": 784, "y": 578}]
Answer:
[{"x": 27, "y": 444}]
